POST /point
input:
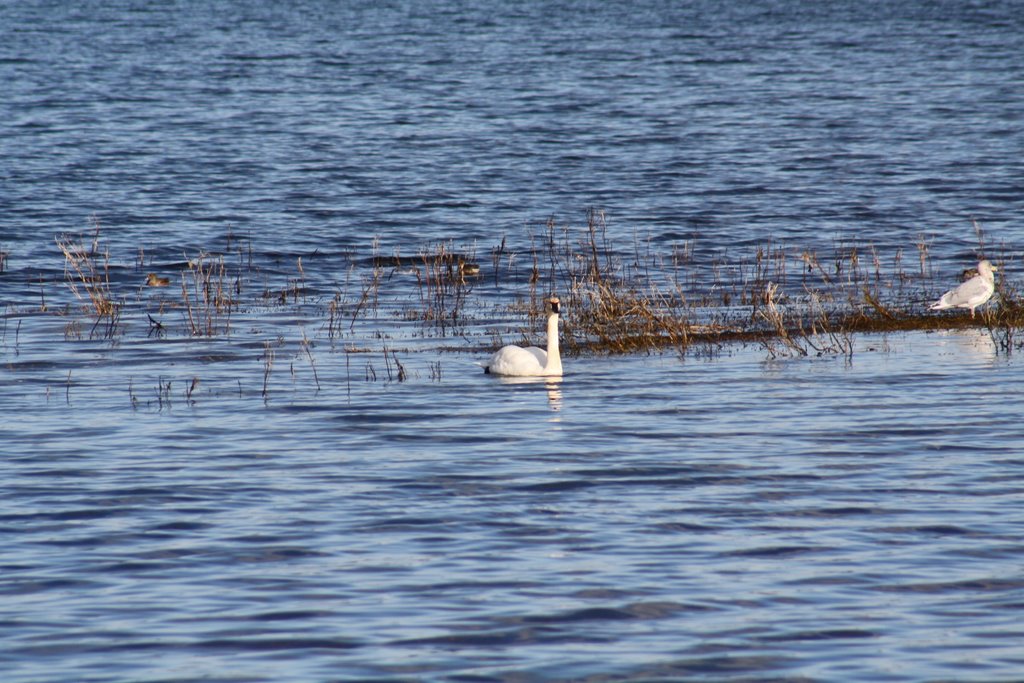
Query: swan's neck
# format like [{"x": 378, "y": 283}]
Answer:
[{"x": 554, "y": 364}]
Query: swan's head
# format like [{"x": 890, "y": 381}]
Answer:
[
  {"x": 553, "y": 305},
  {"x": 986, "y": 267}
]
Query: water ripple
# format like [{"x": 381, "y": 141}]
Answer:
[{"x": 175, "y": 509}]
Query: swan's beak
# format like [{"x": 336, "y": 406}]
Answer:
[{"x": 554, "y": 305}]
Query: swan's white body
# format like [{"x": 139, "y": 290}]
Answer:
[
  {"x": 972, "y": 293},
  {"x": 516, "y": 361}
]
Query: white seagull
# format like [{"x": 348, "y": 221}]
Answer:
[
  {"x": 515, "y": 361},
  {"x": 972, "y": 293}
]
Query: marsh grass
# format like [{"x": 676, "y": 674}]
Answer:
[
  {"x": 369, "y": 296},
  {"x": 1005, "y": 321},
  {"x": 445, "y": 281},
  {"x": 87, "y": 273},
  {"x": 617, "y": 298},
  {"x": 792, "y": 302},
  {"x": 206, "y": 296},
  {"x": 607, "y": 304},
  {"x": 399, "y": 368},
  {"x": 163, "y": 394},
  {"x": 811, "y": 332}
]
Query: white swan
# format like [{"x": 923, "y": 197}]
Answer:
[
  {"x": 972, "y": 293},
  {"x": 515, "y": 361}
]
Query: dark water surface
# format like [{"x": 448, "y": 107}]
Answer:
[
  {"x": 322, "y": 124},
  {"x": 294, "y": 498}
]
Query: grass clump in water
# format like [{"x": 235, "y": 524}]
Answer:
[
  {"x": 206, "y": 296},
  {"x": 88, "y": 270},
  {"x": 618, "y": 304}
]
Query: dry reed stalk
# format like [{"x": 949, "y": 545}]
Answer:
[
  {"x": 370, "y": 288},
  {"x": 207, "y": 303},
  {"x": 109, "y": 323},
  {"x": 980, "y": 235},
  {"x": 605, "y": 309},
  {"x": 370, "y": 293},
  {"x": 163, "y": 393},
  {"x": 398, "y": 365},
  {"x": 306, "y": 344},
  {"x": 923, "y": 254},
  {"x": 824, "y": 337},
  {"x": 773, "y": 315},
  {"x": 621, "y": 320},
  {"x": 334, "y": 316},
  {"x": 445, "y": 281},
  {"x": 496, "y": 254},
  {"x": 1005, "y": 321},
  {"x": 85, "y": 274},
  {"x": 872, "y": 299},
  {"x": 268, "y": 365},
  {"x": 298, "y": 285},
  {"x": 189, "y": 391}
]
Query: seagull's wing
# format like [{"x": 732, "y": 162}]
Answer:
[{"x": 971, "y": 291}]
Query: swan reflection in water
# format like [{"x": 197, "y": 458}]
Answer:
[{"x": 553, "y": 386}]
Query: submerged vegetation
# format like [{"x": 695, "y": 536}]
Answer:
[{"x": 381, "y": 307}]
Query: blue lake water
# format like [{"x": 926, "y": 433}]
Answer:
[{"x": 299, "y": 496}]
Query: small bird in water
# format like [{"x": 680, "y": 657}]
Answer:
[
  {"x": 972, "y": 293},
  {"x": 153, "y": 280}
]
